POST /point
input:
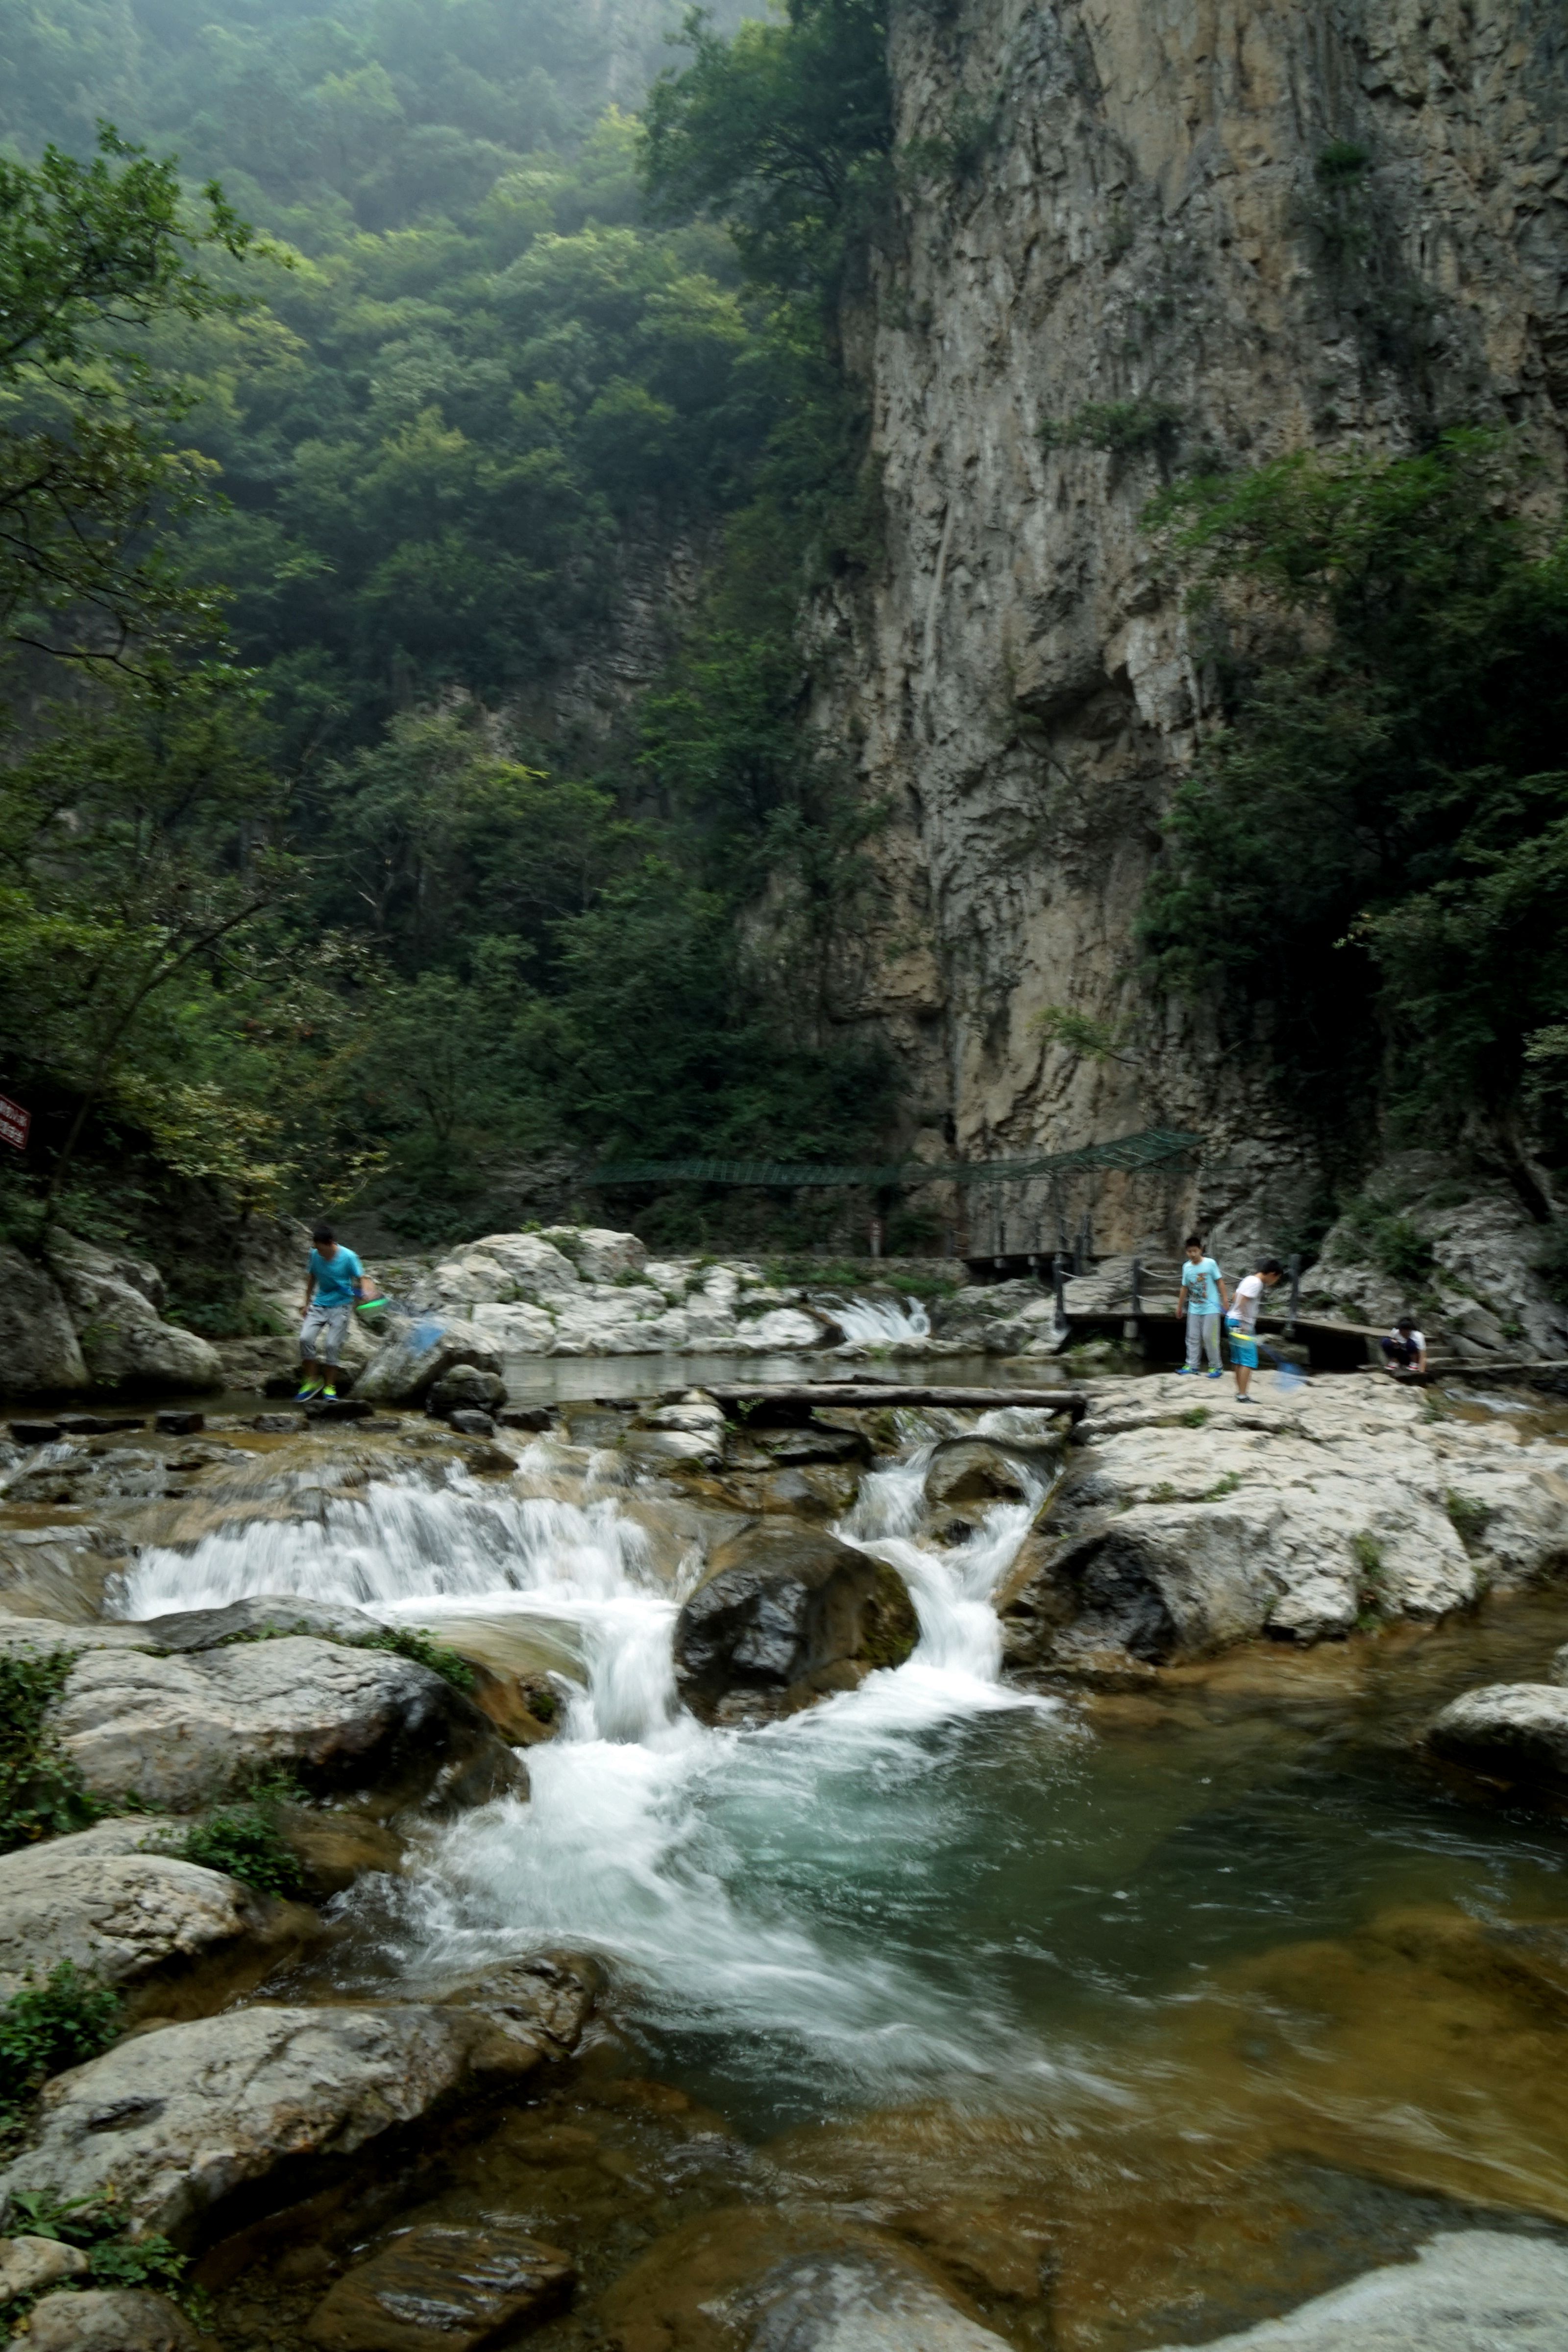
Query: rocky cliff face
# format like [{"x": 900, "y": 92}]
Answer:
[{"x": 1261, "y": 226}]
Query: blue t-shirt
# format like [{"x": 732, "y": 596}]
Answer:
[
  {"x": 1201, "y": 1283},
  {"x": 335, "y": 1277}
]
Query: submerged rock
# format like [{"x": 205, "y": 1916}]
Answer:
[
  {"x": 443, "y": 2287},
  {"x": 181, "y": 1731},
  {"x": 181, "y": 2120},
  {"x": 1515, "y": 1732},
  {"x": 858, "y": 2302},
  {"x": 1472, "y": 2291},
  {"x": 112, "y": 2319},
  {"x": 785, "y": 1618}
]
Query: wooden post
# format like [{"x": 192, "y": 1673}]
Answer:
[
  {"x": 1060, "y": 1284},
  {"x": 1295, "y": 1294},
  {"x": 876, "y": 1236},
  {"x": 1137, "y": 1288}
]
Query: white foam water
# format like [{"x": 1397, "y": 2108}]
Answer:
[
  {"x": 879, "y": 1323},
  {"x": 708, "y": 1865}
]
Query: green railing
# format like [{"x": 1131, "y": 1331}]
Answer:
[{"x": 1150, "y": 1149}]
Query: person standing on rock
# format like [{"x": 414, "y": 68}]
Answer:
[
  {"x": 334, "y": 1283},
  {"x": 1203, "y": 1298},
  {"x": 1241, "y": 1323}
]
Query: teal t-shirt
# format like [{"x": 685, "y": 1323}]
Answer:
[
  {"x": 1201, "y": 1283},
  {"x": 335, "y": 1277}
]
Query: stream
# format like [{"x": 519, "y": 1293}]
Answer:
[{"x": 1192, "y": 1986}]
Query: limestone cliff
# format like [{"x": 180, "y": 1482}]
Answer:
[{"x": 1265, "y": 224}]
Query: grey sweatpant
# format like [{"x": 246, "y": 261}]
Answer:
[{"x": 1202, "y": 1336}]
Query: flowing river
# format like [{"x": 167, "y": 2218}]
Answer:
[{"x": 1188, "y": 1983}]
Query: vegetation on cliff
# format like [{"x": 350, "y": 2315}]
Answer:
[{"x": 1374, "y": 845}]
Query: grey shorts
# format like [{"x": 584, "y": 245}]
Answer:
[{"x": 322, "y": 1333}]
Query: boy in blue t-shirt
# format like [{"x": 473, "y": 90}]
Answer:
[
  {"x": 1202, "y": 1298},
  {"x": 335, "y": 1281}
]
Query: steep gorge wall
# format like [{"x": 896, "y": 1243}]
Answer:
[{"x": 1142, "y": 218}]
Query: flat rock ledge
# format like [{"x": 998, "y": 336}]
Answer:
[
  {"x": 1514, "y": 1732},
  {"x": 206, "y": 2126},
  {"x": 1188, "y": 1519},
  {"x": 1474, "y": 2291}
]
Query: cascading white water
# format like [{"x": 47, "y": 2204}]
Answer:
[
  {"x": 669, "y": 1846},
  {"x": 878, "y": 1323}
]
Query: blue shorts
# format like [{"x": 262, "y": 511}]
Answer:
[{"x": 1243, "y": 1347}]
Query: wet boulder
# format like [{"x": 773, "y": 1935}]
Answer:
[
  {"x": 408, "y": 1366},
  {"x": 786, "y": 1617},
  {"x": 1150, "y": 1585},
  {"x": 126, "y": 1916},
  {"x": 181, "y": 1731},
  {"x": 467, "y": 1388},
  {"x": 253, "y": 2106},
  {"x": 112, "y": 2319},
  {"x": 1513, "y": 1732},
  {"x": 972, "y": 1470},
  {"x": 442, "y": 2286}
]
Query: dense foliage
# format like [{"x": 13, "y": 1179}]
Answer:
[
  {"x": 45, "y": 2028},
  {"x": 350, "y": 905},
  {"x": 41, "y": 1793},
  {"x": 1374, "y": 847}
]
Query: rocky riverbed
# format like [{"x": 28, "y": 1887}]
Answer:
[{"x": 760, "y": 1881}]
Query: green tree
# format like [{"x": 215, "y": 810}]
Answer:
[
  {"x": 88, "y": 255},
  {"x": 1375, "y": 844},
  {"x": 137, "y": 850},
  {"x": 784, "y": 134}
]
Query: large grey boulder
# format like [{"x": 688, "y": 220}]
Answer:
[
  {"x": 181, "y": 1731},
  {"x": 1473, "y": 2291},
  {"x": 784, "y": 1618},
  {"x": 1515, "y": 1732},
  {"x": 598, "y": 1253},
  {"x": 416, "y": 1356},
  {"x": 39, "y": 1352},
  {"x": 118, "y": 1916},
  {"x": 112, "y": 2319},
  {"x": 113, "y": 1303},
  {"x": 183, "y": 2119}
]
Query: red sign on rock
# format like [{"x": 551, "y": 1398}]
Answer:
[{"x": 15, "y": 1123}]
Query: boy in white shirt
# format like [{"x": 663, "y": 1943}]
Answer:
[
  {"x": 1241, "y": 1324},
  {"x": 1405, "y": 1350},
  {"x": 1201, "y": 1297}
]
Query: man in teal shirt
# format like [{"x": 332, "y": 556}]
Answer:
[
  {"x": 334, "y": 1283},
  {"x": 1202, "y": 1299}
]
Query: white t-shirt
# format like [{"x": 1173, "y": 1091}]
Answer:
[
  {"x": 1245, "y": 1305},
  {"x": 1417, "y": 1339}
]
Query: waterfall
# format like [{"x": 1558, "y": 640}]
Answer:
[
  {"x": 878, "y": 1323},
  {"x": 709, "y": 1866}
]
